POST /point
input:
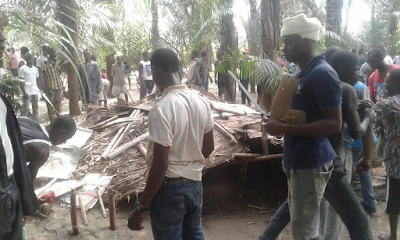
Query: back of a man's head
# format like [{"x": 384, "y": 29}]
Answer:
[
  {"x": 203, "y": 53},
  {"x": 64, "y": 123},
  {"x": 24, "y": 50},
  {"x": 165, "y": 59},
  {"x": 345, "y": 64},
  {"x": 330, "y": 51},
  {"x": 194, "y": 55}
]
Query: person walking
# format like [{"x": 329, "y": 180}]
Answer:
[
  {"x": 307, "y": 167},
  {"x": 91, "y": 80},
  {"x": 39, "y": 64},
  {"x": 119, "y": 79},
  {"x": 13, "y": 57},
  {"x": 30, "y": 90},
  {"x": 180, "y": 139},
  {"x": 202, "y": 71},
  {"x": 52, "y": 79},
  {"x": 376, "y": 84},
  {"x": 145, "y": 75}
]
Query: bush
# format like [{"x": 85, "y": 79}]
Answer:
[{"x": 9, "y": 87}]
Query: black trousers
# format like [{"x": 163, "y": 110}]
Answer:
[
  {"x": 11, "y": 217},
  {"x": 144, "y": 91}
]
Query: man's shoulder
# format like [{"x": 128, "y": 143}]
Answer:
[
  {"x": 394, "y": 67},
  {"x": 360, "y": 86}
]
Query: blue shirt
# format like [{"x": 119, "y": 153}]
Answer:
[{"x": 319, "y": 88}]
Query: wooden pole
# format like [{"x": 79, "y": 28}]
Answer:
[
  {"x": 142, "y": 149},
  {"x": 224, "y": 132},
  {"x": 74, "y": 214},
  {"x": 100, "y": 196},
  {"x": 112, "y": 210},
  {"x": 83, "y": 210},
  {"x": 120, "y": 150}
]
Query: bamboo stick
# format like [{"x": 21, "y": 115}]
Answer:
[
  {"x": 142, "y": 149},
  {"x": 100, "y": 196},
  {"x": 245, "y": 155},
  {"x": 225, "y": 132},
  {"x": 119, "y": 151},
  {"x": 84, "y": 216},
  {"x": 109, "y": 147},
  {"x": 112, "y": 211},
  {"x": 74, "y": 214},
  {"x": 101, "y": 124},
  {"x": 122, "y": 136}
]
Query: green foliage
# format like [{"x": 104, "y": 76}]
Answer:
[{"x": 10, "y": 88}]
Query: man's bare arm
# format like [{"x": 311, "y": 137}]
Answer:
[
  {"x": 156, "y": 174},
  {"x": 208, "y": 144},
  {"x": 331, "y": 124}
]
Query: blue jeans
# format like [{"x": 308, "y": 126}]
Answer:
[
  {"x": 342, "y": 198},
  {"x": 205, "y": 84},
  {"x": 367, "y": 189},
  {"x": 175, "y": 211}
]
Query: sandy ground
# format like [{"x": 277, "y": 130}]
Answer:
[{"x": 225, "y": 215}]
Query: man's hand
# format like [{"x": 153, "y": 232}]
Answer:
[
  {"x": 363, "y": 166},
  {"x": 365, "y": 104},
  {"x": 98, "y": 90},
  {"x": 211, "y": 80},
  {"x": 135, "y": 220},
  {"x": 273, "y": 126}
]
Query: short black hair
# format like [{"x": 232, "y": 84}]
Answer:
[
  {"x": 203, "y": 53},
  {"x": 24, "y": 50},
  {"x": 194, "y": 55},
  {"x": 344, "y": 59},
  {"x": 145, "y": 53},
  {"x": 330, "y": 51},
  {"x": 361, "y": 50},
  {"x": 376, "y": 52},
  {"x": 50, "y": 49},
  {"x": 354, "y": 50},
  {"x": 64, "y": 123},
  {"x": 395, "y": 77},
  {"x": 166, "y": 59}
]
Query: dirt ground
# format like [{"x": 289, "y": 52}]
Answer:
[{"x": 225, "y": 214}]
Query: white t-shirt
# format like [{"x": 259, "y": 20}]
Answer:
[
  {"x": 147, "y": 70},
  {"x": 192, "y": 71},
  {"x": 5, "y": 139},
  {"x": 388, "y": 60},
  {"x": 40, "y": 60},
  {"x": 29, "y": 75},
  {"x": 179, "y": 121}
]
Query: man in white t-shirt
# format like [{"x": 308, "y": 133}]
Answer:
[
  {"x": 191, "y": 76},
  {"x": 145, "y": 76},
  {"x": 29, "y": 88},
  {"x": 180, "y": 139}
]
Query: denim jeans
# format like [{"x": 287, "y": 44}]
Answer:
[
  {"x": 34, "y": 99},
  {"x": 342, "y": 198},
  {"x": 175, "y": 211},
  {"x": 205, "y": 84},
  {"x": 367, "y": 189}
]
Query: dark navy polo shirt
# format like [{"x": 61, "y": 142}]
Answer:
[{"x": 319, "y": 88}]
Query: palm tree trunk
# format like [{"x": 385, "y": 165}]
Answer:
[
  {"x": 228, "y": 43},
  {"x": 155, "y": 34},
  {"x": 67, "y": 14},
  {"x": 254, "y": 37},
  {"x": 334, "y": 15},
  {"x": 270, "y": 16},
  {"x": 347, "y": 18}
]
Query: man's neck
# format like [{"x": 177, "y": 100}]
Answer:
[
  {"x": 29, "y": 65},
  {"x": 88, "y": 62},
  {"x": 383, "y": 68},
  {"x": 305, "y": 60},
  {"x": 171, "y": 81}
]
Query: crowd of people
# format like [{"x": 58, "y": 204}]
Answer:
[{"x": 351, "y": 101}]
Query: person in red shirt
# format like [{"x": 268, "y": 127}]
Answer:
[{"x": 375, "y": 59}]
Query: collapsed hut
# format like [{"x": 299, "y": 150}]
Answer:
[{"x": 118, "y": 145}]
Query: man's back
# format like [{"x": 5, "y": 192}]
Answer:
[
  {"x": 32, "y": 131},
  {"x": 180, "y": 120},
  {"x": 376, "y": 86},
  {"x": 118, "y": 73}
]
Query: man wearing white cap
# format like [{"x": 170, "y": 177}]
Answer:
[{"x": 308, "y": 155}]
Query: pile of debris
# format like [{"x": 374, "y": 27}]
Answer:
[{"x": 118, "y": 145}]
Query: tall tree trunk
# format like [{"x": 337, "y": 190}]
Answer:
[
  {"x": 155, "y": 34},
  {"x": 270, "y": 16},
  {"x": 334, "y": 15},
  {"x": 253, "y": 37},
  {"x": 67, "y": 14},
  {"x": 228, "y": 43},
  {"x": 110, "y": 60},
  {"x": 347, "y": 18}
]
